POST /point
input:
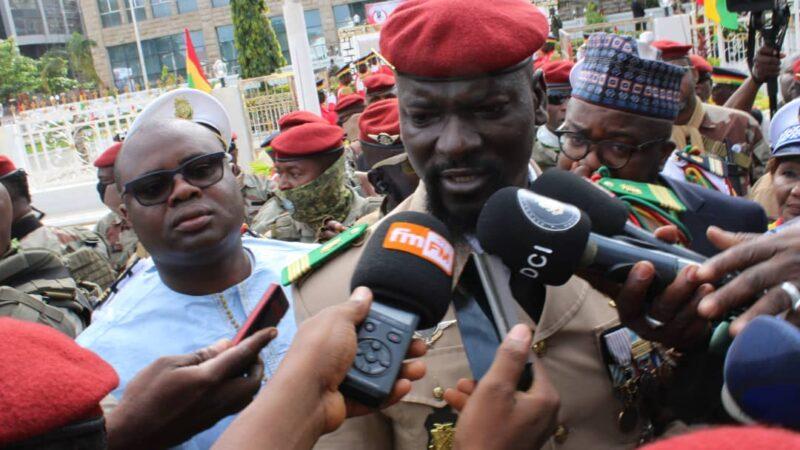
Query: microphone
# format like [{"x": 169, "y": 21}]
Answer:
[
  {"x": 761, "y": 368},
  {"x": 547, "y": 241},
  {"x": 408, "y": 265},
  {"x": 609, "y": 215}
]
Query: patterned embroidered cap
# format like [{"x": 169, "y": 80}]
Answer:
[{"x": 612, "y": 75}]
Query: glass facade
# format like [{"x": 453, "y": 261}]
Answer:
[
  {"x": 27, "y": 17},
  {"x": 316, "y": 36},
  {"x": 218, "y": 3},
  {"x": 343, "y": 14},
  {"x": 138, "y": 6},
  {"x": 166, "y": 51},
  {"x": 54, "y": 17},
  {"x": 109, "y": 13},
  {"x": 186, "y": 6},
  {"x": 227, "y": 48},
  {"x": 161, "y": 8}
]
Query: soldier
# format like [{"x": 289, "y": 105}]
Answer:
[
  {"x": 467, "y": 113},
  {"x": 34, "y": 284},
  {"x": 313, "y": 202},
  {"x": 256, "y": 189},
  {"x": 379, "y": 87},
  {"x": 119, "y": 235},
  {"x": 325, "y": 108},
  {"x": 348, "y": 109},
  {"x": 85, "y": 252},
  {"x": 730, "y": 134},
  {"x": 556, "y": 77},
  {"x": 704, "y": 83},
  {"x": 725, "y": 83},
  {"x": 390, "y": 172},
  {"x": 345, "y": 77},
  {"x": 631, "y": 140}
]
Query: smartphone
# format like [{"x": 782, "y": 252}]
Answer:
[{"x": 269, "y": 311}]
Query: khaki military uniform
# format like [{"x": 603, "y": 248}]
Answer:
[
  {"x": 120, "y": 237},
  {"x": 545, "y": 148},
  {"x": 567, "y": 340},
  {"x": 256, "y": 190},
  {"x": 274, "y": 221},
  {"x": 84, "y": 252}
]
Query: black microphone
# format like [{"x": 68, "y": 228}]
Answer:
[
  {"x": 609, "y": 215},
  {"x": 408, "y": 265},
  {"x": 547, "y": 241}
]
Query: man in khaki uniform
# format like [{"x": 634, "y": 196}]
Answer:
[
  {"x": 313, "y": 201},
  {"x": 465, "y": 114}
]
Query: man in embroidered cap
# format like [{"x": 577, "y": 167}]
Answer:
[
  {"x": 467, "y": 118},
  {"x": 379, "y": 87},
  {"x": 119, "y": 235},
  {"x": 730, "y": 134},
  {"x": 624, "y": 125},
  {"x": 204, "y": 277},
  {"x": 704, "y": 83},
  {"x": 313, "y": 201},
  {"x": 84, "y": 251},
  {"x": 556, "y": 77}
]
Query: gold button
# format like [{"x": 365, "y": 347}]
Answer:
[
  {"x": 539, "y": 348},
  {"x": 438, "y": 393},
  {"x": 561, "y": 434},
  {"x": 612, "y": 303}
]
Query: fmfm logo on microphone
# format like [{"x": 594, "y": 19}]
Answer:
[{"x": 422, "y": 242}]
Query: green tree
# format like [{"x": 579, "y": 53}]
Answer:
[
  {"x": 593, "y": 15},
  {"x": 54, "y": 73},
  {"x": 18, "y": 73},
  {"x": 79, "y": 49},
  {"x": 259, "y": 52}
]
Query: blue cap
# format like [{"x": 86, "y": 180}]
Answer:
[
  {"x": 613, "y": 75},
  {"x": 785, "y": 130},
  {"x": 762, "y": 374}
]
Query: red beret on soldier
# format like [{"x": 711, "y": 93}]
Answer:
[
  {"x": 557, "y": 72},
  {"x": 671, "y": 49},
  {"x": 349, "y": 101},
  {"x": 296, "y": 118},
  {"x": 48, "y": 382},
  {"x": 307, "y": 141},
  {"x": 379, "y": 124},
  {"x": 109, "y": 156},
  {"x": 378, "y": 83},
  {"x": 6, "y": 166},
  {"x": 700, "y": 63},
  {"x": 418, "y": 38}
]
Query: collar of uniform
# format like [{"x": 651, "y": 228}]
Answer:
[
  {"x": 25, "y": 225},
  {"x": 691, "y": 199}
]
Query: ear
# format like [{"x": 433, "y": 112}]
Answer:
[
  {"x": 123, "y": 212},
  {"x": 540, "y": 98}
]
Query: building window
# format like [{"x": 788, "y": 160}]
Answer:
[
  {"x": 138, "y": 7},
  {"x": 279, "y": 25},
  {"x": 73, "y": 15},
  {"x": 109, "y": 13},
  {"x": 186, "y": 6},
  {"x": 161, "y": 8},
  {"x": 227, "y": 48},
  {"x": 316, "y": 37},
  {"x": 218, "y": 3},
  {"x": 27, "y": 17},
  {"x": 165, "y": 51},
  {"x": 343, "y": 14}
]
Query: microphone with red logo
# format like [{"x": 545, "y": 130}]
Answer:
[{"x": 408, "y": 265}]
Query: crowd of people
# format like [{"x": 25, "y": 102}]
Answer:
[{"x": 121, "y": 337}]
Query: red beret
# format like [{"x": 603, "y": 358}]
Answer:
[
  {"x": 672, "y": 49},
  {"x": 296, "y": 118},
  {"x": 6, "y": 165},
  {"x": 731, "y": 438},
  {"x": 47, "y": 381},
  {"x": 379, "y": 124},
  {"x": 700, "y": 63},
  {"x": 349, "y": 101},
  {"x": 461, "y": 38},
  {"x": 378, "y": 82},
  {"x": 557, "y": 72},
  {"x": 307, "y": 140},
  {"x": 107, "y": 158},
  {"x": 796, "y": 68}
]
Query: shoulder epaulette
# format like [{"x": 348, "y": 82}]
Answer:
[
  {"x": 320, "y": 255},
  {"x": 653, "y": 193}
]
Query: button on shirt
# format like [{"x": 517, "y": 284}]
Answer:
[{"x": 147, "y": 320}]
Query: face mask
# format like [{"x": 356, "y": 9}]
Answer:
[{"x": 325, "y": 197}]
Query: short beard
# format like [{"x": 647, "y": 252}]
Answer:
[{"x": 462, "y": 222}]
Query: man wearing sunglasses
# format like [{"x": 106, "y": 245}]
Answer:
[
  {"x": 607, "y": 126},
  {"x": 556, "y": 78},
  {"x": 181, "y": 197}
]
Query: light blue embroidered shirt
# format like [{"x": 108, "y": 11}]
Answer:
[{"x": 146, "y": 320}]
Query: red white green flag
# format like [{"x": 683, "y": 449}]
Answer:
[{"x": 195, "y": 77}]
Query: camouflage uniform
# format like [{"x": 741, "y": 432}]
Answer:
[
  {"x": 256, "y": 190},
  {"x": 545, "y": 148},
  {"x": 84, "y": 252},
  {"x": 36, "y": 286},
  {"x": 276, "y": 222},
  {"x": 120, "y": 237}
]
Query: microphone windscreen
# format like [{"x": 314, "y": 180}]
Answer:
[
  {"x": 535, "y": 236},
  {"x": 608, "y": 214},
  {"x": 761, "y": 373},
  {"x": 408, "y": 263}
]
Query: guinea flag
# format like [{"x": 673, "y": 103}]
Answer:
[
  {"x": 717, "y": 11},
  {"x": 195, "y": 77}
]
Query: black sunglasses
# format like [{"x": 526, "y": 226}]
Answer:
[{"x": 155, "y": 187}]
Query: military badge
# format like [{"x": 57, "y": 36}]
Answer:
[
  {"x": 183, "y": 109},
  {"x": 385, "y": 138}
]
